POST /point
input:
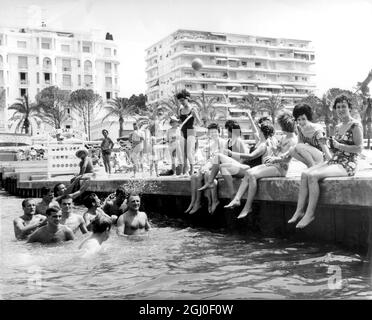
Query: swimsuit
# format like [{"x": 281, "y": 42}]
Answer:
[
  {"x": 188, "y": 125},
  {"x": 348, "y": 160},
  {"x": 314, "y": 140}
]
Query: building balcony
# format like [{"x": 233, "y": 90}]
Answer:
[
  {"x": 22, "y": 67},
  {"x": 24, "y": 82},
  {"x": 66, "y": 69},
  {"x": 151, "y": 67},
  {"x": 108, "y": 71}
]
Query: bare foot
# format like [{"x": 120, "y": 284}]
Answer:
[
  {"x": 190, "y": 207},
  {"x": 306, "y": 220},
  {"x": 244, "y": 213},
  {"x": 233, "y": 203},
  {"x": 297, "y": 215},
  {"x": 195, "y": 208},
  {"x": 207, "y": 186},
  {"x": 214, "y": 207}
]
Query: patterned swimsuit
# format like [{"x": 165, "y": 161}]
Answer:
[{"x": 348, "y": 160}]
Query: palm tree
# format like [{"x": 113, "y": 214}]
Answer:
[
  {"x": 171, "y": 104},
  {"x": 206, "y": 108},
  {"x": 272, "y": 105},
  {"x": 121, "y": 108},
  {"x": 25, "y": 113},
  {"x": 250, "y": 102}
]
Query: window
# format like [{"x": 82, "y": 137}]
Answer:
[
  {"x": 87, "y": 47},
  {"x": 47, "y": 63},
  {"x": 116, "y": 81},
  {"x": 22, "y": 62},
  {"x": 188, "y": 86},
  {"x": 107, "y": 52},
  {"x": 23, "y": 77},
  {"x": 107, "y": 67},
  {"x": 46, "y": 43},
  {"x": 78, "y": 63},
  {"x": 116, "y": 68},
  {"x": 1, "y": 59},
  {"x": 37, "y": 77},
  {"x": 79, "y": 80},
  {"x": 204, "y": 86},
  {"x": 66, "y": 64},
  {"x": 1, "y": 39},
  {"x": 296, "y": 78},
  {"x": 87, "y": 66},
  {"x": 108, "y": 82},
  {"x": 257, "y": 64},
  {"x": 65, "y": 48},
  {"x": 108, "y": 95},
  {"x": 88, "y": 79},
  {"x": 37, "y": 60},
  {"x": 66, "y": 80},
  {"x": 67, "y": 125},
  {"x": 114, "y": 52},
  {"x": 23, "y": 91},
  {"x": 47, "y": 78},
  {"x": 21, "y": 44}
]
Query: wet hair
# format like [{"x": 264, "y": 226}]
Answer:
[
  {"x": 89, "y": 200},
  {"x": 66, "y": 196},
  {"x": 52, "y": 210},
  {"x": 183, "y": 94},
  {"x": 263, "y": 119},
  {"x": 119, "y": 191},
  {"x": 100, "y": 224},
  {"x": 267, "y": 130},
  {"x": 104, "y": 130},
  {"x": 342, "y": 98},
  {"x": 213, "y": 125},
  {"x": 24, "y": 202},
  {"x": 302, "y": 109},
  {"x": 55, "y": 189},
  {"x": 286, "y": 121},
  {"x": 133, "y": 194},
  {"x": 44, "y": 191}
]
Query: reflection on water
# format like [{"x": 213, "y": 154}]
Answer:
[{"x": 174, "y": 262}]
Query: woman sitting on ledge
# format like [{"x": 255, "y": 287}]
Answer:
[
  {"x": 346, "y": 146},
  {"x": 311, "y": 148},
  {"x": 275, "y": 164}
]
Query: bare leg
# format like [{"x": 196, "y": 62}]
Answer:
[
  {"x": 197, "y": 204},
  {"x": 193, "y": 193},
  {"x": 323, "y": 171},
  {"x": 235, "y": 202},
  {"x": 213, "y": 173},
  {"x": 253, "y": 175},
  {"x": 302, "y": 197},
  {"x": 214, "y": 196},
  {"x": 299, "y": 157}
]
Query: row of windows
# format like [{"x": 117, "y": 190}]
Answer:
[
  {"x": 24, "y": 91},
  {"x": 66, "y": 47}
]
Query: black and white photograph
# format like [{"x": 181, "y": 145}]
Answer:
[{"x": 191, "y": 150}]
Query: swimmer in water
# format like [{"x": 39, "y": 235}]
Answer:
[
  {"x": 133, "y": 221},
  {"x": 93, "y": 204},
  {"x": 29, "y": 222},
  {"x": 47, "y": 201},
  {"x": 70, "y": 219},
  {"x": 101, "y": 226},
  {"x": 54, "y": 231},
  {"x": 115, "y": 205}
]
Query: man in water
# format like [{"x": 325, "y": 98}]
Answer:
[
  {"x": 60, "y": 189},
  {"x": 46, "y": 202},
  {"x": 70, "y": 219},
  {"x": 133, "y": 221},
  {"x": 101, "y": 226},
  {"x": 53, "y": 231},
  {"x": 29, "y": 222},
  {"x": 115, "y": 207}
]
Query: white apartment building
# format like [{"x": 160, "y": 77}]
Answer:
[
  {"x": 33, "y": 59},
  {"x": 233, "y": 66}
]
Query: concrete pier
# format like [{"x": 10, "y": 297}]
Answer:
[{"x": 343, "y": 215}]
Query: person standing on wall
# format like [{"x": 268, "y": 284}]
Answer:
[
  {"x": 106, "y": 149},
  {"x": 187, "y": 115}
]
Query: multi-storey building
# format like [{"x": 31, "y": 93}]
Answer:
[
  {"x": 33, "y": 59},
  {"x": 233, "y": 66}
]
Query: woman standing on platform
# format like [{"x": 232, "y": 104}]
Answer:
[
  {"x": 311, "y": 148},
  {"x": 106, "y": 149},
  {"x": 187, "y": 115},
  {"x": 346, "y": 145}
]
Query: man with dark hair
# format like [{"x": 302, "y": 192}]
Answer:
[
  {"x": 116, "y": 205},
  {"x": 54, "y": 231},
  {"x": 133, "y": 221},
  {"x": 29, "y": 222},
  {"x": 60, "y": 189},
  {"x": 70, "y": 219},
  {"x": 47, "y": 201}
]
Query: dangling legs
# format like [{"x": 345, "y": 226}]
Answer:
[
  {"x": 191, "y": 152},
  {"x": 254, "y": 174},
  {"x": 193, "y": 188},
  {"x": 197, "y": 205}
]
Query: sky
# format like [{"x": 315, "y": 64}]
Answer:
[{"x": 340, "y": 31}]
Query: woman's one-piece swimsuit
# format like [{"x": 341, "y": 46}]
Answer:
[
  {"x": 188, "y": 125},
  {"x": 348, "y": 160}
]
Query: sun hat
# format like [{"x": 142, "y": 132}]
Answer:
[{"x": 85, "y": 151}]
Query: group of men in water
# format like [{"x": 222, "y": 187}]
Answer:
[{"x": 53, "y": 219}]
